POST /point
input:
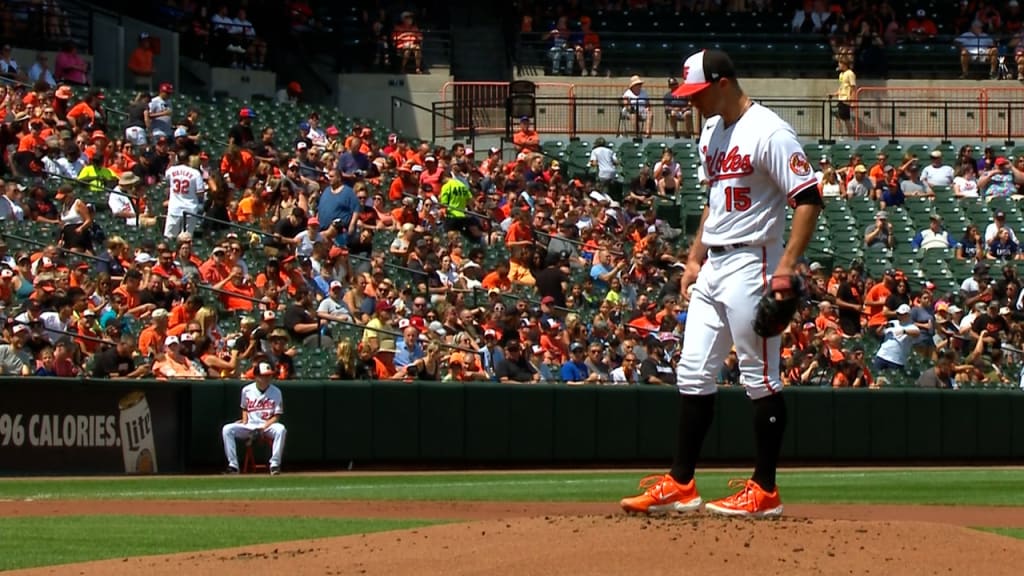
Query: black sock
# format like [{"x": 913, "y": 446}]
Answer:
[
  {"x": 695, "y": 416},
  {"x": 769, "y": 426}
]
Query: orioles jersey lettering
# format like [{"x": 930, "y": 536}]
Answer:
[{"x": 753, "y": 169}]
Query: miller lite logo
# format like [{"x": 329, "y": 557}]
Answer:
[{"x": 721, "y": 165}]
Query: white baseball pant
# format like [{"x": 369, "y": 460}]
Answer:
[
  {"x": 235, "y": 431},
  {"x": 723, "y": 303},
  {"x": 172, "y": 226}
]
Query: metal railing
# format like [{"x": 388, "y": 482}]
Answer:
[{"x": 472, "y": 109}]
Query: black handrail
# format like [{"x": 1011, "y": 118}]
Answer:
[
  {"x": 62, "y": 249},
  {"x": 62, "y": 332},
  {"x": 187, "y": 215}
]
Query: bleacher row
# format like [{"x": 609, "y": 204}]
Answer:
[{"x": 841, "y": 226}]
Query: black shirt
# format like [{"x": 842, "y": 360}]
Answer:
[
  {"x": 241, "y": 135},
  {"x": 549, "y": 283},
  {"x": 112, "y": 266},
  {"x": 136, "y": 115},
  {"x": 849, "y": 320},
  {"x": 648, "y": 188},
  {"x": 652, "y": 367},
  {"x": 266, "y": 149},
  {"x": 518, "y": 371},
  {"x": 295, "y": 314},
  {"x": 107, "y": 363},
  {"x": 286, "y": 229}
]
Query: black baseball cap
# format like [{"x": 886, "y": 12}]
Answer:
[{"x": 703, "y": 68}]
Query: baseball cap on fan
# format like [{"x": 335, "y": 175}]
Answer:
[{"x": 703, "y": 68}]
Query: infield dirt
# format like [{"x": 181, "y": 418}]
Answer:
[{"x": 580, "y": 538}]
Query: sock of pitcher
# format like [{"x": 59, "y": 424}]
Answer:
[
  {"x": 695, "y": 416},
  {"x": 769, "y": 426}
]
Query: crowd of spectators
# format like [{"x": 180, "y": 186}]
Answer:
[{"x": 404, "y": 260}]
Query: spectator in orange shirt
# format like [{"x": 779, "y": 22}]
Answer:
[
  {"x": 214, "y": 270},
  {"x": 589, "y": 45},
  {"x": 236, "y": 284},
  {"x": 129, "y": 290},
  {"x": 520, "y": 232},
  {"x": 404, "y": 184},
  {"x": 874, "y": 300},
  {"x": 83, "y": 116},
  {"x": 827, "y": 317},
  {"x": 526, "y": 139},
  {"x": 185, "y": 312},
  {"x": 647, "y": 323},
  {"x": 140, "y": 63},
  {"x": 498, "y": 279},
  {"x": 251, "y": 207},
  {"x": 151, "y": 339},
  {"x": 237, "y": 166}
]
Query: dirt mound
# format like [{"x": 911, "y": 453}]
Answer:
[{"x": 608, "y": 544}]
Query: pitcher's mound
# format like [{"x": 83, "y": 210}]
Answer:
[{"x": 612, "y": 544}]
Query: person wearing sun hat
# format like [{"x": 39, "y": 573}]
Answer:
[
  {"x": 262, "y": 405},
  {"x": 636, "y": 108}
]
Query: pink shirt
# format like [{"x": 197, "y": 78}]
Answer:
[{"x": 70, "y": 67}]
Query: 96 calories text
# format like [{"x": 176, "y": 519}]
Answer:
[{"x": 58, "y": 431}]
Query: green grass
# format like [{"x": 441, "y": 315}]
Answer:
[
  {"x": 971, "y": 486},
  {"x": 1011, "y": 532},
  {"x": 36, "y": 541}
]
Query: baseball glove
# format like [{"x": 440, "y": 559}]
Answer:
[{"x": 776, "y": 308}]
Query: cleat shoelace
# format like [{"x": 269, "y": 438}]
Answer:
[{"x": 653, "y": 485}]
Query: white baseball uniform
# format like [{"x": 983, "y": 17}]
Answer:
[
  {"x": 185, "y": 189},
  {"x": 260, "y": 406},
  {"x": 754, "y": 168}
]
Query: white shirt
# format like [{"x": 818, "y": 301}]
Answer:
[
  {"x": 968, "y": 188},
  {"x": 992, "y": 229},
  {"x": 606, "y": 160},
  {"x": 243, "y": 27},
  {"x": 334, "y": 308},
  {"x": 71, "y": 169},
  {"x": 8, "y": 66},
  {"x": 317, "y": 137},
  {"x": 185, "y": 186},
  {"x": 10, "y": 211},
  {"x": 619, "y": 376},
  {"x": 221, "y": 23},
  {"x": 898, "y": 341},
  {"x": 754, "y": 168},
  {"x": 305, "y": 247},
  {"x": 161, "y": 124},
  {"x": 937, "y": 175},
  {"x": 831, "y": 190},
  {"x": 37, "y": 72},
  {"x": 638, "y": 101},
  {"x": 52, "y": 322},
  {"x": 931, "y": 239},
  {"x": 261, "y": 406},
  {"x": 119, "y": 203}
]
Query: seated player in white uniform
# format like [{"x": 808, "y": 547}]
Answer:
[{"x": 262, "y": 406}]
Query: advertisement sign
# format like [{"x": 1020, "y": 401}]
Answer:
[{"x": 83, "y": 427}]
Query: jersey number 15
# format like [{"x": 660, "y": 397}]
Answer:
[{"x": 737, "y": 198}]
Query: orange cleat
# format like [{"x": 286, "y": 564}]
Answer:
[
  {"x": 750, "y": 502},
  {"x": 662, "y": 494}
]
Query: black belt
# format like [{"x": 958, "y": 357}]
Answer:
[{"x": 726, "y": 248}]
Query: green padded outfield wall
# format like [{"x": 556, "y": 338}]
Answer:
[{"x": 336, "y": 423}]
